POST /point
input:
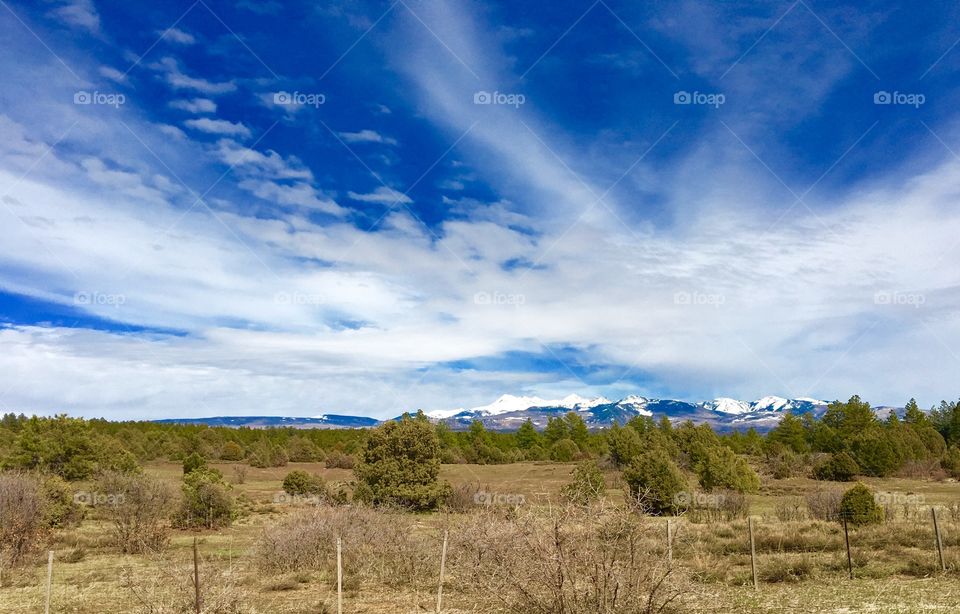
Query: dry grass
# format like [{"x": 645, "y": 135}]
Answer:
[{"x": 506, "y": 559}]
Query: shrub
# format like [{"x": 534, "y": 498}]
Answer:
[
  {"x": 267, "y": 454},
  {"x": 624, "y": 445},
  {"x": 790, "y": 509},
  {"x": 22, "y": 512},
  {"x": 824, "y": 504},
  {"x": 206, "y": 501},
  {"x": 138, "y": 512},
  {"x": 839, "y": 467},
  {"x": 723, "y": 468},
  {"x": 564, "y": 450},
  {"x": 400, "y": 464},
  {"x": 859, "y": 506},
  {"x": 573, "y": 561},
  {"x": 339, "y": 460},
  {"x": 587, "y": 485},
  {"x": 60, "y": 509},
  {"x": 193, "y": 462},
  {"x": 379, "y": 546},
  {"x": 654, "y": 482},
  {"x": 301, "y": 483},
  {"x": 302, "y": 450},
  {"x": 951, "y": 462},
  {"x": 232, "y": 451}
]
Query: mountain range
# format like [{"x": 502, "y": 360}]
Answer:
[{"x": 508, "y": 412}]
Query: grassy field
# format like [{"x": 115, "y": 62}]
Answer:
[{"x": 802, "y": 563}]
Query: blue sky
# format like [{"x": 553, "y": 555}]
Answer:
[{"x": 292, "y": 208}]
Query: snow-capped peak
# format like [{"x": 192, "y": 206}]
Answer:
[
  {"x": 726, "y": 405},
  {"x": 634, "y": 400},
  {"x": 772, "y": 403},
  {"x": 443, "y": 414},
  {"x": 575, "y": 401}
]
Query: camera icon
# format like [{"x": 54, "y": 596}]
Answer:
[
  {"x": 282, "y": 98},
  {"x": 82, "y": 298},
  {"x": 682, "y": 298},
  {"x": 882, "y": 97},
  {"x": 682, "y": 499},
  {"x": 682, "y": 97},
  {"x": 482, "y": 298},
  {"x": 82, "y": 98},
  {"x": 482, "y": 97},
  {"x": 82, "y": 498},
  {"x": 882, "y": 298},
  {"x": 482, "y": 498}
]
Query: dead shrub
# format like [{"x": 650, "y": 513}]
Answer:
[
  {"x": 824, "y": 504},
  {"x": 790, "y": 509},
  {"x": 378, "y": 546},
  {"x": 567, "y": 560},
  {"x": 137, "y": 511},
  {"x": 22, "y": 515}
]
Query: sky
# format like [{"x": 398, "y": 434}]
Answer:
[{"x": 296, "y": 208}]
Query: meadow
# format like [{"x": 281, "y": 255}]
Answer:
[{"x": 496, "y": 553}]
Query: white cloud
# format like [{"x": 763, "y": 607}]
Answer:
[
  {"x": 218, "y": 126},
  {"x": 113, "y": 74},
  {"x": 172, "y": 131},
  {"x": 175, "y": 35},
  {"x": 382, "y": 195},
  {"x": 80, "y": 14},
  {"x": 366, "y": 136},
  {"x": 176, "y": 79},
  {"x": 269, "y": 164},
  {"x": 299, "y": 194},
  {"x": 196, "y": 105}
]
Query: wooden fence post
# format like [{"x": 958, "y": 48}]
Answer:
[
  {"x": 443, "y": 565},
  {"x": 196, "y": 578},
  {"x": 669, "y": 543},
  {"x": 339, "y": 579},
  {"x": 936, "y": 530},
  {"x": 46, "y": 608},
  {"x": 753, "y": 553},
  {"x": 846, "y": 536}
]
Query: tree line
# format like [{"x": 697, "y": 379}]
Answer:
[{"x": 848, "y": 440}]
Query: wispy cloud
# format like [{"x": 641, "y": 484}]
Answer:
[{"x": 218, "y": 126}]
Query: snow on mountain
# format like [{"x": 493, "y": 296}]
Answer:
[
  {"x": 443, "y": 414},
  {"x": 509, "y": 403},
  {"x": 636, "y": 403},
  {"x": 726, "y": 405},
  {"x": 771, "y": 404}
]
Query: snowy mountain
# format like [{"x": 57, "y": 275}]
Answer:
[
  {"x": 723, "y": 413},
  {"x": 509, "y": 411}
]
